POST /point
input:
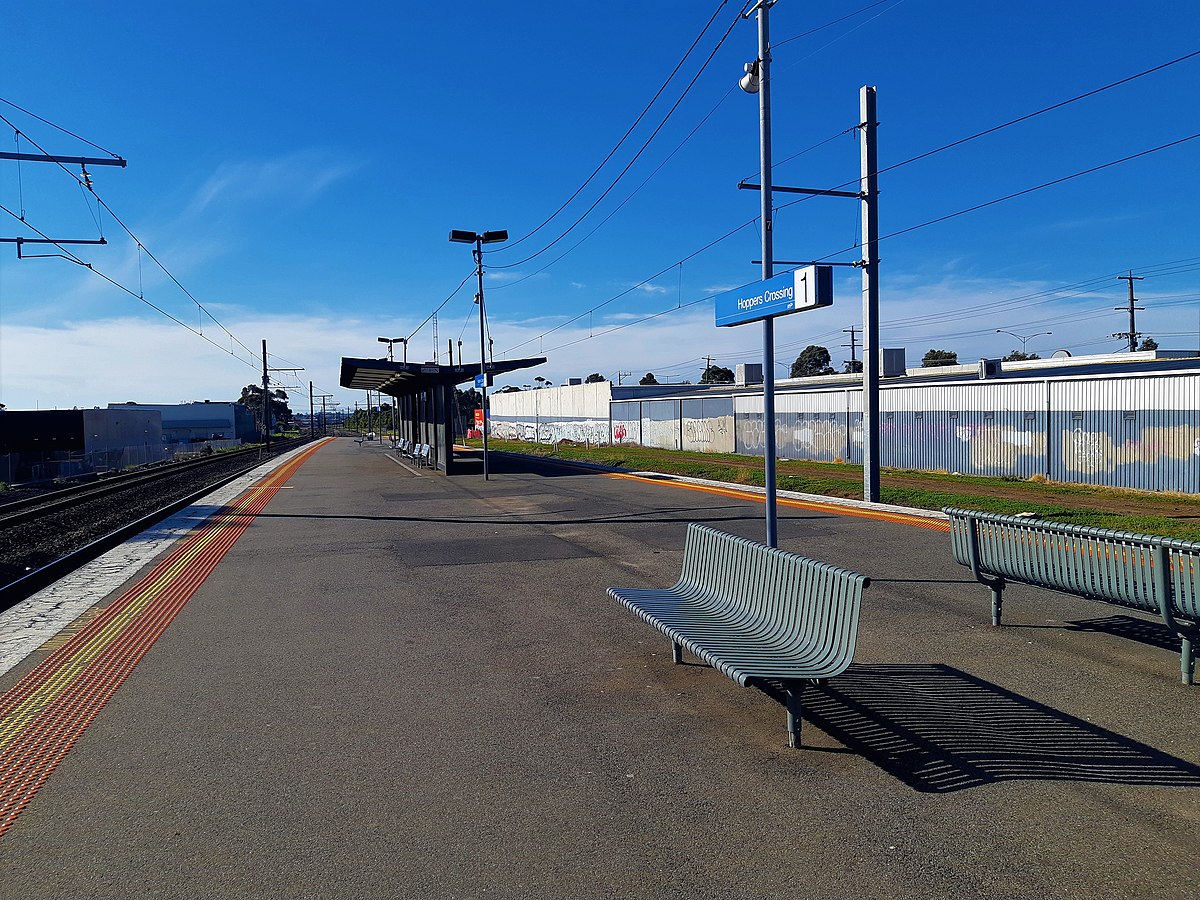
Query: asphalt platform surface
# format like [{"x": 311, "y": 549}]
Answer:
[{"x": 398, "y": 684}]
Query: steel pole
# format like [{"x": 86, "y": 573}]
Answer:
[
  {"x": 768, "y": 267},
  {"x": 482, "y": 349},
  {"x": 872, "y": 356}
]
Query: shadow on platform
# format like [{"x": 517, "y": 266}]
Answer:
[{"x": 940, "y": 730}]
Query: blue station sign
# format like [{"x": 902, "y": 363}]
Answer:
[{"x": 796, "y": 291}]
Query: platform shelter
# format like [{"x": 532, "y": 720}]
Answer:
[{"x": 424, "y": 395}]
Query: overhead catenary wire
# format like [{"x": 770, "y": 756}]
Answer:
[
  {"x": 142, "y": 247},
  {"x": 635, "y": 158},
  {"x": 59, "y": 128},
  {"x": 628, "y": 198},
  {"x": 685, "y": 140},
  {"x": 894, "y": 234},
  {"x": 1011, "y": 122},
  {"x": 72, "y": 257},
  {"x": 936, "y": 150},
  {"x": 626, "y": 135}
]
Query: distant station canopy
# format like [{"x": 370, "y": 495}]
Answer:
[
  {"x": 426, "y": 403},
  {"x": 406, "y": 379}
]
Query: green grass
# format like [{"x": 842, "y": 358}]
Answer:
[{"x": 1170, "y": 515}]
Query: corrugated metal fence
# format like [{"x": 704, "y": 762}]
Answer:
[{"x": 1138, "y": 432}]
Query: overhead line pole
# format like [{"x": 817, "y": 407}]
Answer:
[
  {"x": 768, "y": 267},
  {"x": 266, "y": 403},
  {"x": 872, "y": 355}
]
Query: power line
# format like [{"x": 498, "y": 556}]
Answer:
[
  {"x": 1011, "y": 122},
  {"x": 635, "y": 158},
  {"x": 625, "y": 136},
  {"x": 72, "y": 257},
  {"x": 631, "y": 195},
  {"x": 804, "y": 34},
  {"x": 142, "y": 248}
]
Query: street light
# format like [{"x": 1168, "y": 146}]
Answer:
[
  {"x": 488, "y": 237},
  {"x": 1022, "y": 338},
  {"x": 390, "y": 342}
]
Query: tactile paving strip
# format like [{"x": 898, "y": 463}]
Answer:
[{"x": 46, "y": 712}]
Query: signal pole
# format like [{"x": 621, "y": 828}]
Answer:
[{"x": 1133, "y": 334}]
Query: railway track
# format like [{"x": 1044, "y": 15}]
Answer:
[{"x": 46, "y": 536}]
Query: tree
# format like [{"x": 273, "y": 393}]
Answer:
[
  {"x": 1018, "y": 356},
  {"x": 1149, "y": 344},
  {"x": 939, "y": 358},
  {"x": 594, "y": 378},
  {"x": 717, "y": 375},
  {"x": 813, "y": 360},
  {"x": 465, "y": 401},
  {"x": 281, "y": 413},
  {"x": 852, "y": 366},
  {"x": 648, "y": 378}
]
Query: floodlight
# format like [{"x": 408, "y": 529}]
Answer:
[
  {"x": 749, "y": 81},
  {"x": 462, "y": 237},
  {"x": 492, "y": 237}
]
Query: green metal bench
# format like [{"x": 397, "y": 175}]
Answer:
[
  {"x": 1137, "y": 571},
  {"x": 756, "y": 613}
]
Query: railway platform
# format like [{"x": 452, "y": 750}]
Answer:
[{"x": 346, "y": 677}]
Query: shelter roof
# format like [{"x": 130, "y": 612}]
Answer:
[{"x": 402, "y": 379}]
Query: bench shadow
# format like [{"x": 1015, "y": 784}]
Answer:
[
  {"x": 940, "y": 730},
  {"x": 1144, "y": 631}
]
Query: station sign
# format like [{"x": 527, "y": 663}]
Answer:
[{"x": 791, "y": 292}]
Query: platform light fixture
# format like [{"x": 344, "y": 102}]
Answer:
[
  {"x": 390, "y": 342},
  {"x": 487, "y": 237},
  {"x": 1024, "y": 338}
]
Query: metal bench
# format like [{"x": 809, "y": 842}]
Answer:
[
  {"x": 1137, "y": 571},
  {"x": 756, "y": 613}
]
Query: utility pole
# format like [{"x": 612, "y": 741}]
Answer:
[
  {"x": 312, "y": 426},
  {"x": 266, "y": 416},
  {"x": 1132, "y": 334},
  {"x": 324, "y": 425},
  {"x": 869, "y": 191},
  {"x": 852, "y": 329},
  {"x": 621, "y": 375}
]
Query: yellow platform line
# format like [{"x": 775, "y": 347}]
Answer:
[{"x": 791, "y": 502}]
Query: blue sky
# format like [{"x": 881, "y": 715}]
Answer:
[{"x": 296, "y": 173}]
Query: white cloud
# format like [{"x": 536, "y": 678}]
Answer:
[
  {"x": 299, "y": 177},
  {"x": 103, "y": 361}
]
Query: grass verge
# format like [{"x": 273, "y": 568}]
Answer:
[{"x": 1171, "y": 515}]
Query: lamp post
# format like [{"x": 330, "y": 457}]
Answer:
[
  {"x": 390, "y": 342},
  {"x": 488, "y": 237},
  {"x": 1024, "y": 339}
]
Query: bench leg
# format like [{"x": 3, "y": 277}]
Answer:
[
  {"x": 794, "y": 719},
  {"x": 997, "y": 587},
  {"x": 1187, "y": 659},
  {"x": 676, "y": 653}
]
